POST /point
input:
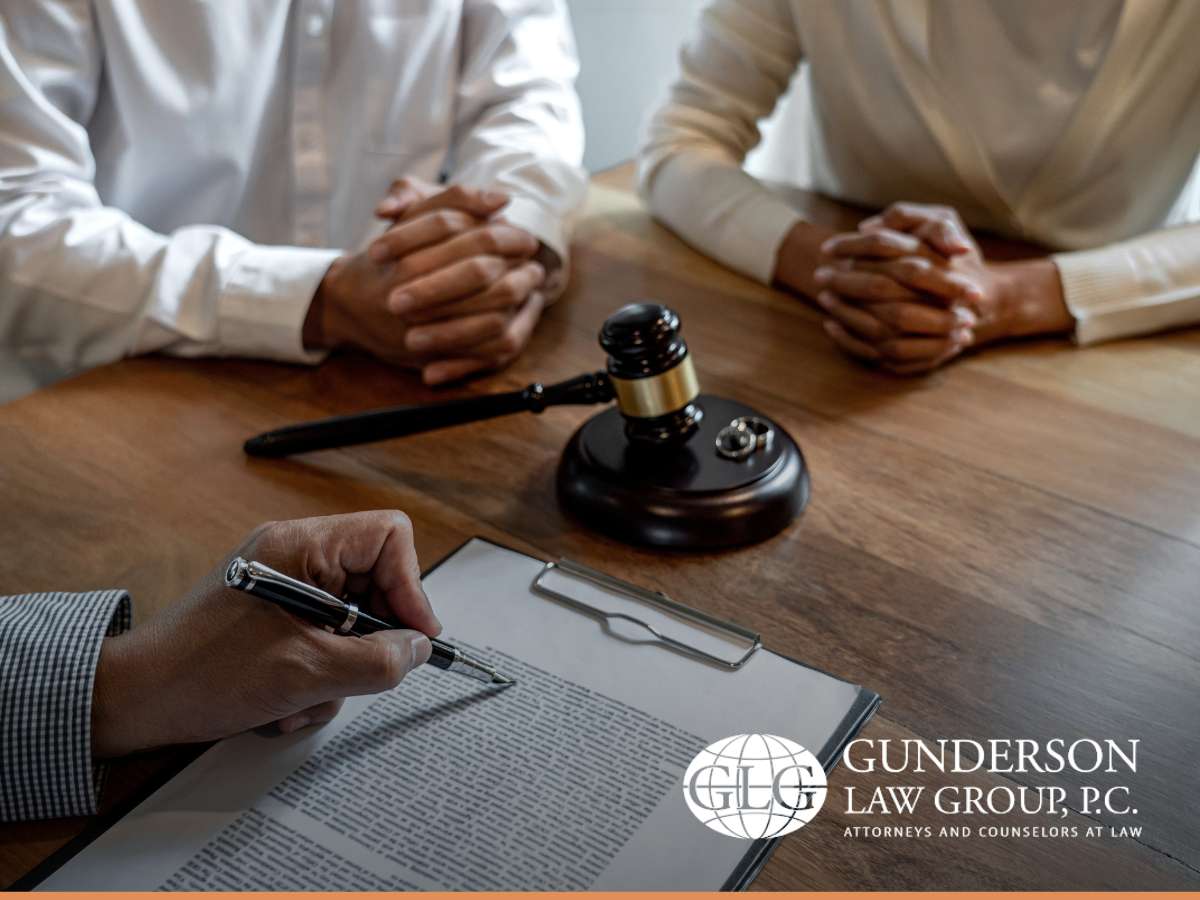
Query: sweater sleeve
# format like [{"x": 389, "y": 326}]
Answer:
[
  {"x": 49, "y": 648},
  {"x": 1146, "y": 284},
  {"x": 690, "y": 167}
]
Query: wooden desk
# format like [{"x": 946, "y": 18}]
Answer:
[{"x": 1009, "y": 548}]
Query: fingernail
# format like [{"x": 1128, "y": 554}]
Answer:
[
  {"x": 399, "y": 301},
  {"x": 420, "y": 648},
  {"x": 824, "y": 300},
  {"x": 823, "y": 275},
  {"x": 966, "y": 316},
  {"x": 963, "y": 336},
  {"x": 493, "y": 197},
  {"x": 828, "y": 247},
  {"x": 417, "y": 339}
]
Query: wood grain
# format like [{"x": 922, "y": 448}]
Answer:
[{"x": 1009, "y": 548}]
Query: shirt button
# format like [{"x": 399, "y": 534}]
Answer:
[{"x": 315, "y": 25}]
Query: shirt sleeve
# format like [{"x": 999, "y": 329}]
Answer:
[
  {"x": 82, "y": 283},
  {"x": 49, "y": 648},
  {"x": 1146, "y": 284},
  {"x": 518, "y": 125},
  {"x": 690, "y": 172}
]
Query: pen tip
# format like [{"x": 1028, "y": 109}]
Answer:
[{"x": 501, "y": 680}]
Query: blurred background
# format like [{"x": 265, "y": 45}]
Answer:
[{"x": 629, "y": 51}]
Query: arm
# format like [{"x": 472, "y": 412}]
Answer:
[
  {"x": 76, "y": 685},
  {"x": 690, "y": 166},
  {"x": 518, "y": 125},
  {"x": 1146, "y": 284},
  {"x": 82, "y": 283},
  {"x": 49, "y": 649}
]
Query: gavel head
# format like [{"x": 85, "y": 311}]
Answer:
[{"x": 652, "y": 374}]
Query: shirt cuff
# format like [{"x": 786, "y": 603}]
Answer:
[
  {"x": 265, "y": 299},
  {"x": 1122, "y": 291},
  {"x": 531, "y": 216},
  {"x": 51, "y": 647}
]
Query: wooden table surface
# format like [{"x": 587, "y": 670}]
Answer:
[{"x": 1009, "y": 548}]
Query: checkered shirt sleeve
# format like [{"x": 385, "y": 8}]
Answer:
[{"x": 49, "y": 648}]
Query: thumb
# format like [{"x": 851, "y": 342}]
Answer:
[
  {"x": 481, "y": 202},
  {"x": 379, "y": 661},
  {"x": 402, "y": 194},
  {"x": 945, "y": 237}
]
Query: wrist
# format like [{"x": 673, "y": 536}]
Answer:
[
  {"x": 116, "y": 713},
  {"x": 1031, "y": 294},
  {"x": 799, "y": 256},
  {"x": 319, "y": 331}
]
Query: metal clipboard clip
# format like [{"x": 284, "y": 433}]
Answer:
[{"x": 657, "y": 601}]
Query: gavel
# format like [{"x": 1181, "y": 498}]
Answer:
[
  {"x": 668, "y": 467},
  {"x": 649, "y": 373}
]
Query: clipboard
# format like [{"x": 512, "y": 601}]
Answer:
[
  {"x": 656, "y": 604},
  {"x": 856, "y": 717}
]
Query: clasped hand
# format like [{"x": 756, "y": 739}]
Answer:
[
  {"x": 450, "y": 288},
  {"x": 910, "y": 291}
]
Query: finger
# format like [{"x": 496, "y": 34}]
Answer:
[
  {"x": 377, "y": 662},
  {"x": 477, "y": 201},
  {"x": 506, "y": 294},
  {"x": 848, "y": 343},
  {"x": 495, "y": 354},
  {"x": 920, "y": 318},
  {"x": 857, "y": 322},
  {"x": 881, "y": 244},
  {"x": 396, "y": 575},
  {"x": 918, "y": 349},
  {"x": 862, "y": 284},
  {"x": 455, "y": 336},
  {"x": 403, "y": 194},
  {"x": 945, "y": 236},
  {"x": 414, "y": 233},
  {"x": 920, "y": 276},
  {"x": 492, "y": 239},
  {"x": 314, "y": 715},
  {"x": 455, "y": 281},
  {"x": 379, "y": 544},
  {"x": 940, "y": 225}
]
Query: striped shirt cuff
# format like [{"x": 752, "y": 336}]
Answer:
[{"x": 49, "y": 649}]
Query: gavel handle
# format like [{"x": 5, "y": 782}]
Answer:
[{"x": 400, "y": 421}]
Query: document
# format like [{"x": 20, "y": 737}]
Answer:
[{"x": 570, "y": 779}]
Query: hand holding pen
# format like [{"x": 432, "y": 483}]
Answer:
[
  {"x": 343, "y": 616},
  {"x": 218, "y": 662}
]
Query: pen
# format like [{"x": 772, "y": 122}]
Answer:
[{"x": 322, "y": 608}]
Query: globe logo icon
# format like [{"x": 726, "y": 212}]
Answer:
[{"x": 754, "y": 786}]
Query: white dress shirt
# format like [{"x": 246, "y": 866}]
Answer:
[
  {"x": 177, "y": 175},
  {"x": 1075, "y": 124}
]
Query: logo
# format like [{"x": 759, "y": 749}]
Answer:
[{"x": 754, "y": 786}]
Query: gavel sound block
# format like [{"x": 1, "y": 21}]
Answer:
[
  {"x": 671, "y": 467},
  {"x": 667, "y": 467}
]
